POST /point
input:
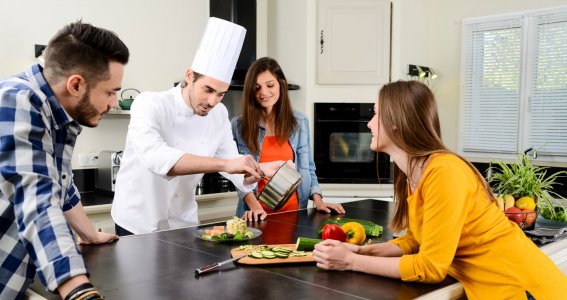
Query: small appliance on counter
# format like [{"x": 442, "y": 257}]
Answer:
[{"x": 108, "y": 164}]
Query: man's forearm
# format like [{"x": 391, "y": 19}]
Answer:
[
  {"x": 193, "y": 164},
  {"x": 77, "y": 218}
]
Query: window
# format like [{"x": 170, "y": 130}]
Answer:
[{"x": 514, "y": 85}]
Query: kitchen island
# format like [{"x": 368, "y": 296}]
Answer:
[{"x": 162, "y": 265}]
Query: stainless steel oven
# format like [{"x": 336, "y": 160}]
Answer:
[{"x": 342, "y": 151}]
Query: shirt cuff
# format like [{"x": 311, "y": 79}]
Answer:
[
  {"x": 403, "y": 244},
  {"x": 407, "y": 271},
  {"x": 73, "y": 198},
  {"x": 58, "y": 271}
]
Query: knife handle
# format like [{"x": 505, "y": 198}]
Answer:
[{"x": 207, "y": 268}]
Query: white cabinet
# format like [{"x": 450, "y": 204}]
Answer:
[
  {"x": 100, "y": 216},
  {"x": 217, "y": 207},
  {"x": 211, "y": 208},
  {"x": 354, "y": 42}
]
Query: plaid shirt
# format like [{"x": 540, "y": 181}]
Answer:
[{"x": 37, "y": 138}]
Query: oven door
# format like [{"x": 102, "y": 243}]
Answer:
[{"x": 342, "y": 145}]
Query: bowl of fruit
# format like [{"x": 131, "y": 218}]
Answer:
[
  {"x": 525, "y": 190},
  {"x": 522, "y": 211}
]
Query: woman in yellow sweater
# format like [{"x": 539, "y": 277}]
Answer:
[{"x": 447, "y": 209}]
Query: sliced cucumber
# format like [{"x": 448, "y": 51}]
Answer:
[
  {"x": 281, "y": 249},
  {"x": 255, "y": 254}
]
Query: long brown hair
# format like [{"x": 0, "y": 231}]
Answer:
[
  {"x": 285, "y": 123},
  {"x": 408, "y": 114}
]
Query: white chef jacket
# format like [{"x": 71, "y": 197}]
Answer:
[{"x": 163, "y": 128}]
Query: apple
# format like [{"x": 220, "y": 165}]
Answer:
[
  {"x": 515, "y": 214},
  {"x": 530, "y": 216}
]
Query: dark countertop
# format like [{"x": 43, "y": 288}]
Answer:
[{"x": 161, "y": 265}]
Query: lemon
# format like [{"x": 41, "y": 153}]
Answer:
[
  {"x": 525, "y": 202},
  {"x": 508, "y": 201}
]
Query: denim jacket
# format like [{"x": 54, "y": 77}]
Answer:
[{"x": 303, "y": 159}]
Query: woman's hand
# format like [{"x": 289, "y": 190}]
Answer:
[
  {"x": 334, "y": 255},
  {"x": 326, "y": 207},
  {"x": 99, "y": 238},
  {"x": 255, "y": 215}
]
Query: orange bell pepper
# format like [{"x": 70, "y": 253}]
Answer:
[{"x": 355, "y": 233}]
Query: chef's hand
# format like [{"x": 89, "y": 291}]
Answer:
[
  {"x": 270, "y": 168},
  {"x": 255, "y": 215},
  {"x": 99, "y": 238},
  {"x": 334, "y": 255},
  {"x": 244, "y": 165}
]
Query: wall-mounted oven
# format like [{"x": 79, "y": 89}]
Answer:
[{"x": 342, "y": 139}]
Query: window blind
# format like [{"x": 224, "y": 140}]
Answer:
[
  {"x": 491, "y": 85},
  {"x": 547, "y": 109}
]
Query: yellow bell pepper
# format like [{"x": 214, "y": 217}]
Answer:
[{"x": 355, "y": 233}]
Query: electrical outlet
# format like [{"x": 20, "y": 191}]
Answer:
[{"x": 88, "y": 159}]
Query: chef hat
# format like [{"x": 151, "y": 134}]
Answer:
[{"x": 219, "y": 49}]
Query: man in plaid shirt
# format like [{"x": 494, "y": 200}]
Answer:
[{"x": 41, "y": 110}]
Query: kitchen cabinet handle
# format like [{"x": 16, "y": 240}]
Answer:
[{"x": 322, "y": 41}]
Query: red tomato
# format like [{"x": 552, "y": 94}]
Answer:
[{"x": 333, "y": 232}]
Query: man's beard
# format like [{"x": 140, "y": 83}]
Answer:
[
  {"x": 85, "y": 111},
  {"x": 194, "y": 107},
  {"x": 196, "y": 110}
]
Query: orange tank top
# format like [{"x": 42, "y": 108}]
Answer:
[{"x": 272, "y": 151}]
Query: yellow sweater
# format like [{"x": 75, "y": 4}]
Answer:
[{"x": 454, "y": 229}]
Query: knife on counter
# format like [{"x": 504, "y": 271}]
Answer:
[{"x": 210, "y": 267}]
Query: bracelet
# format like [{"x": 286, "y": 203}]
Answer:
[
  {"x": 97, "y": 296},
  {"x": 78, "y": 289},
  {"x": 91, "y": 295}
]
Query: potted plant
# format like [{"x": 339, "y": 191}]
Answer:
[{"x": 523, "y": 180}]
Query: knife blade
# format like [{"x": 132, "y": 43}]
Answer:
[{"x": 210, "y": 267}]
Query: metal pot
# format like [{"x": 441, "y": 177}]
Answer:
[{"x": 280, "y": 187}]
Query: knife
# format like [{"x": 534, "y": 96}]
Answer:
[{"x": 210, "y": 267}]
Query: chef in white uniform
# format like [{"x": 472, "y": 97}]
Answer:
[{"x": 177, "y": 135}]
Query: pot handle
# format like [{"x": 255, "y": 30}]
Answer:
[{"x": 130, "y": 89}]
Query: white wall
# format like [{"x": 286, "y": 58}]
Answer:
[
  {"x": 425, "y": 32},
  {"x": 163, "y": 35}
]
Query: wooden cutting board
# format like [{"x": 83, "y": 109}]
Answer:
[{"x": 266, "y": 261}]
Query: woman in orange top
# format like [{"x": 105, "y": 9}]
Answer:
[
  {"x": 452, "y": 224},
  {"x": 270, "y": 130}
]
